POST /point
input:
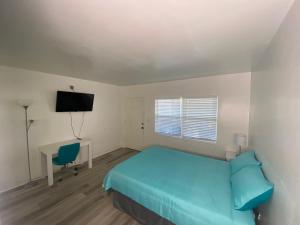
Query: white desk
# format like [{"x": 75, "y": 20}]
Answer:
[{"x": 50, "y": 150}]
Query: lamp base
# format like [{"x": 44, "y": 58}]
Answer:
[{"x": 229, "y": 155}]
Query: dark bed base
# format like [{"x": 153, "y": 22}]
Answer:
[{"x": 141, "y": 214}]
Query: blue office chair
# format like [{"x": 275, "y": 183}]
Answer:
[{"x": 67, "y": 154}]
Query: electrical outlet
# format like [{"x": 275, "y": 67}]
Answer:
[{"x": 259, "y": 217}]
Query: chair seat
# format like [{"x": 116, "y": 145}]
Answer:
[
  {"x": 57, "y": 162},
  {"x": 66, "y": 154}
]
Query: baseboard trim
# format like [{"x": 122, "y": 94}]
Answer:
[{"x": 43, "y": 177}]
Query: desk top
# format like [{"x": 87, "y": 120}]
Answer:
[{"x": 53, "y": 147}]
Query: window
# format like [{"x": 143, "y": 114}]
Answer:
[
  {"x": 199, "y": 118},
  {"x": 191, "y": 118},
  {"x": 168, "y": 117}
]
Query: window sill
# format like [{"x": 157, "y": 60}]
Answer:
[{"x": 187, "y": 139}]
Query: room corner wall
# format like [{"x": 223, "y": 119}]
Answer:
[
  {"x": 102, "y": 125},
  {"x": 274, "y": 120}
]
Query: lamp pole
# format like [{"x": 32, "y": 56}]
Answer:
[{"x": 27, "y": 126}]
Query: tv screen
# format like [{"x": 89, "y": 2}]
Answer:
[{"x": 74, "y": 102}]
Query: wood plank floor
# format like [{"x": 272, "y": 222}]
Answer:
[{"x": 77, "y": 200}]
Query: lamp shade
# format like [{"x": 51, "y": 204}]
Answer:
[
  {"x": 240, "y": 139},
  {"x": 25, "y": 102}
]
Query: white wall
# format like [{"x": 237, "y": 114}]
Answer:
[
  {"x": 102, "y": 125},
  {"x": 275, "y": 120},
  {"x": 234, "y": 103}
]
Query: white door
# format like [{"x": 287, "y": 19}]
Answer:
[{"x": 134, "y": 123}]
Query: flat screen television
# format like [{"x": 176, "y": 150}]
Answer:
[{"x": 74, "y": 101}]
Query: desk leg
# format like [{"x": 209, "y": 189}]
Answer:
[
  {"x": 90, "y": 156},
  {"x": 49, "y": 170}
]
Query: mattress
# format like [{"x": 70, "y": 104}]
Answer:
[{"x": 184, "y": 188}]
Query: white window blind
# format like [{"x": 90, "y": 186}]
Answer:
[
  {"x": 192, "y": 118},
  {"x": 168, "y": 117},
  {"x": 199, "y": 118}
]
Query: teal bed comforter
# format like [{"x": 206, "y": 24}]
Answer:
[{"x": 184, "y": 188}]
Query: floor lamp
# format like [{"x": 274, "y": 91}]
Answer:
[{"x": 25, "y": 104}]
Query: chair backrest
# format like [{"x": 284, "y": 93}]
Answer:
[{"x": 68, "y": 153}]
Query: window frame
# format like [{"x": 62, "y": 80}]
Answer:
[{"x": 181, "y": 119}]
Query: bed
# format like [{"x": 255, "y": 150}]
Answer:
[{"x": 180, "y": 188}]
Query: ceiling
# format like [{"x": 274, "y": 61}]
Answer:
[{"x": 127, "y": 42}]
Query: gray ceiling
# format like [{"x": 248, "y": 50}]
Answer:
[{"x": 127, "y": 42}]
